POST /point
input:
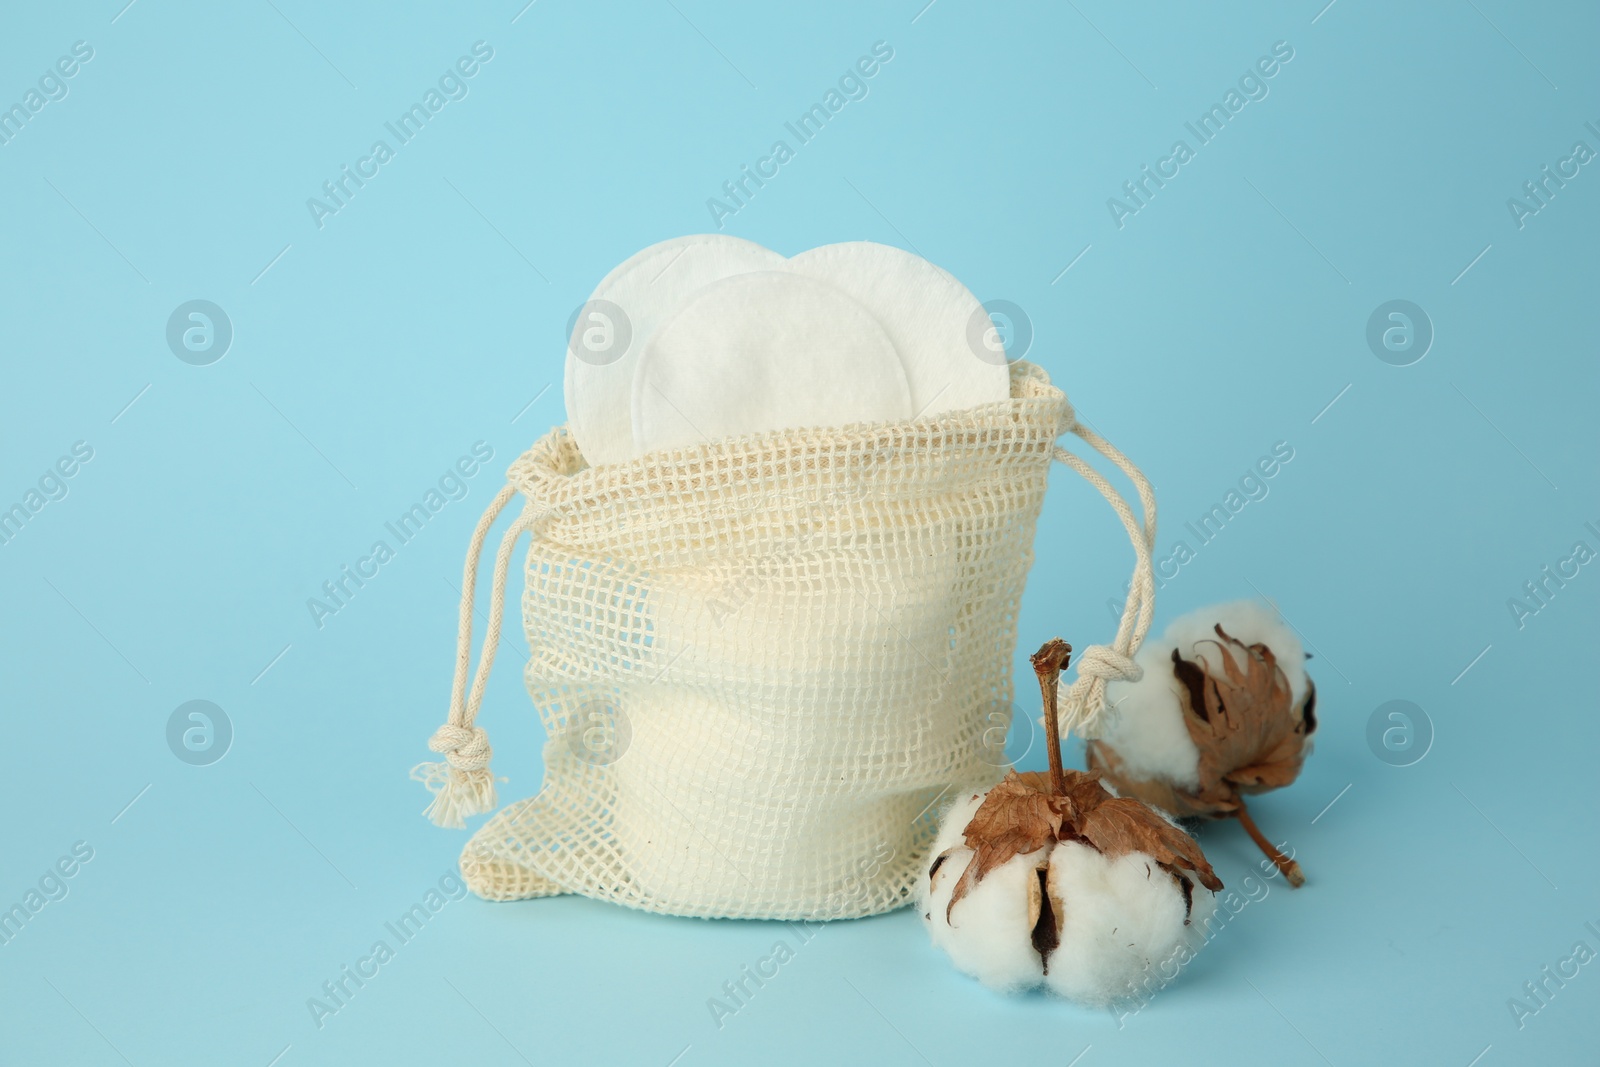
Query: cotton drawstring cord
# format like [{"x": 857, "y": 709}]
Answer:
[
  {"x": 462, "y": 783},
  {"x": 1085, "y": 700}
]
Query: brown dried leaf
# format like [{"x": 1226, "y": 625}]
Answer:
[
  {"x": 1015, "y": 818},
  {"x": 1157, "y": 792},
  {"x": 1021, "y": 815},
  {"x": 1081, "y": 793},
  {"x": 1238, "y": 709},
  {"x": 1122, "y": 824}
]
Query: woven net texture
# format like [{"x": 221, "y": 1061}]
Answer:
[{"x": 762, "y": 663}]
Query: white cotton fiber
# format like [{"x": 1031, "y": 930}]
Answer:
[
  {"x": 989, "y": 933},
  {"x": 1144, "y": 720},
  {"x": 1122, "y": 924}
]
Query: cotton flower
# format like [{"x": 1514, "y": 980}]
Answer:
[
  {"x": 1224, "y": 710},
  {"x": 1053, "y": 880}
]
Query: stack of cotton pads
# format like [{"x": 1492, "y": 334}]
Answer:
[{"x": 706, "y": 337}]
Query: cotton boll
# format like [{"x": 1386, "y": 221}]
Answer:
[
  {"x": 1050, "y": 878},
  {"x": 1224, "y": 710},
  {"x": 1123, "y": 926},
  {"x": 1145, "y": 724}
]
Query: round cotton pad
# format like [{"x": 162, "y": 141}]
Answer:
[
  {"x": 927, "y": 315},
  {"x": 611, "y": 329},
  {"x": 764, "y": 351}
]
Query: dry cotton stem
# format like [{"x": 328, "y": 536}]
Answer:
[{"x": 1048, "y": 663}]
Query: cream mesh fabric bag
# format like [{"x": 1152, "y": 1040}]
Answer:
[{"x": 762, "y": 662}]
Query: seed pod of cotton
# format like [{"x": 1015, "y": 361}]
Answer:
[
  {"x": 1088, "y": 924},
  {"x": 1053, "y": 880},
  {"x": 1224, "y": 710}
]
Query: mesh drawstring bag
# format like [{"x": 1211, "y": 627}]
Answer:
[{"x": 762, "y": 662}]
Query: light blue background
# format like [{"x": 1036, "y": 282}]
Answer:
[{"x": 1224, "y": 317}]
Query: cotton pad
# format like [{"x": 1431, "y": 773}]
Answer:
[
  {"x": 610, "y": 331},
  {"x": 768, "y": 350},
  {"x": 927, "y": 315}
]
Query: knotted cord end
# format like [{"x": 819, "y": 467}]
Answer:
[
  {"x": 1083, "y": 703},
  {"x": 462, "y": 783}
]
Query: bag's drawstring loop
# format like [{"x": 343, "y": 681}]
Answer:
[
  {"x": 462, "y": 783},
  {"x": 1083, "y": 703}
]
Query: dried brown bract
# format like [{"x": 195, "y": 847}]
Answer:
[{"x": 1250, "y": 733}]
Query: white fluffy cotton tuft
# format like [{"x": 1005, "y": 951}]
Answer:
[
  {"x": 1122, "y": 927},
  {"x": 1144, "y": 719},
  {"x": 988, "y": 936},
  {"x": 1121, "y": 921}
]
